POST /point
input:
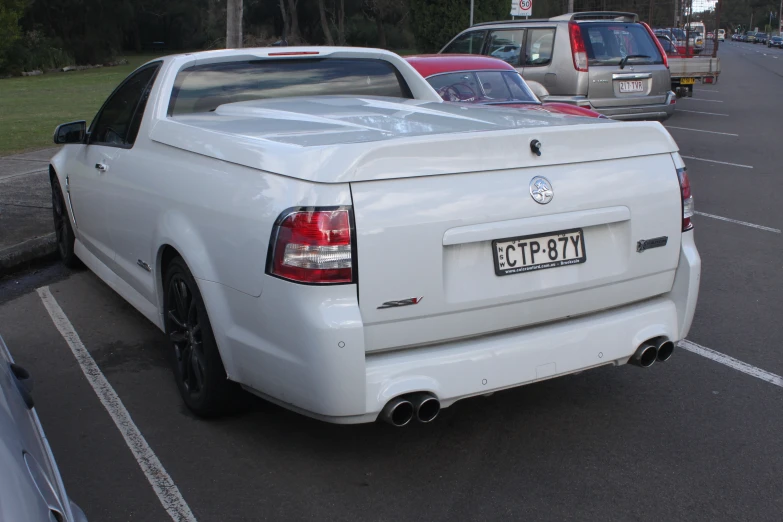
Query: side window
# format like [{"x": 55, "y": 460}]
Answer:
[
  {"x": 540, "y": 43},
  {"x": 115, "y": 125},
  {"x": 468, "y": 43},
  {"x": 135, "y": 124},
  {"x": 506, "y": 45}
]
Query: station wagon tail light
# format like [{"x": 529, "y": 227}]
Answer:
[
  {"x": 687, "y": 199},
  {"x": 657, "y": 43},
  {"x": 312, "y": 245},
  {"x": 578, "y": 51}
]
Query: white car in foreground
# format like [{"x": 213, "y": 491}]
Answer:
[{"x": 317, "y": 226}]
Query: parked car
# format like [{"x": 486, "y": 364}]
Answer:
[
  {"x": 761, "y": 38},
  {"x": 749, "y": 37},
  {"x": 721, "y": 35},
  {"x": 667, "y": 45},
  {"x": 31, "y": 488},
  {"x": 775, "y": 41},
  {"x": 486, "y": 81},
  {"x": 317, "y": 225},
  {"x": 691, "y": 40},
  {"x": 607, "y": 62}
]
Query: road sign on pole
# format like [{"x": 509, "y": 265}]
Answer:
[{"x": 521, "y": 7}]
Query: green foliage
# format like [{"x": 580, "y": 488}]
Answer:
[
  {"x": 30, "y": 108},
  {"x": 10, "y": 13},
  {"x": 435, "y": 22},
  {"x": 33, "y": 51}
]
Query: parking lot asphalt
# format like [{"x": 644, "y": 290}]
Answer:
[{"x": 691, "y": 439}]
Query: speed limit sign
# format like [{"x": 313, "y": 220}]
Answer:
[{"x": 521, "y": 7}]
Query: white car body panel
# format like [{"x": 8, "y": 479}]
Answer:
[{"x": 431, "y": 185}]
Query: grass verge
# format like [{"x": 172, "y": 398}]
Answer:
[{"x": 31, "y": 107}]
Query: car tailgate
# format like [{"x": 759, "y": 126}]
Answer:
[{"x": 426, "y": 258}]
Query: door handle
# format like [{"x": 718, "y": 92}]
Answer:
[{"x": 102, "y": 167}]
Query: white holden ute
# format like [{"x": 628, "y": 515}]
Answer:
[{"x": 318, "y": 227}]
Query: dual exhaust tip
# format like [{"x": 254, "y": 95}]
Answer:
[
  {"x": 424, "y": 406},
  {"x": 400, "y": 411},
  {"x": 656, "y": 349}
]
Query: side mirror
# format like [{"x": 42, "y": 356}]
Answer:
[
  {"x": 538, "y": 89},
  {"x": 70, "y": 132}
]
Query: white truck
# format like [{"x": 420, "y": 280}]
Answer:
[
  {"x": 687, "y": 72},
  {"x": 317, "y": 226}
]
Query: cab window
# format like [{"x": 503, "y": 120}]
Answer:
[{"x": 118, "y": 122}]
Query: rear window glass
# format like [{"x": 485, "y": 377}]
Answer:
[
  {"x": 202, "y": 88},
  {"x": 608, "y": 43}
]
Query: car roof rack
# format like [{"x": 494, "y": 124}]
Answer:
[
  {"x": 618, "y": 16},
  {"x": 500, "y": 22}
]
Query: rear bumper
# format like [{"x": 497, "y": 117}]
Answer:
[
  {"x": 632, "y": 112},
  {"x": 303, "y": 347}
]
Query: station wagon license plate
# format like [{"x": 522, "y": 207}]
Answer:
[
  {"x": 632, "y": 86},
  {"x": 528, "y": 253}
]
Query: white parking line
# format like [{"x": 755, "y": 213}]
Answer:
[
  {"x": 699, "y": 112},
  {"x": 700, "y": 130},
  {"x": 720, "y": 162},
  {"x": 735, "y": 221},
  {"x": 703, "y": 99},
  {"x": 731, "y": 362},
  {"x": 161, "y": 482}
]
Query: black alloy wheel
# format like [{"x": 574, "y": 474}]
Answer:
[
  {"x": 198, "y": 369},
  {"x": 66, "y": 239},
  {"x": 186, "y": 336}
]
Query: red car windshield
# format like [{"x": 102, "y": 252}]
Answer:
[{"x": 487, "y": 87}]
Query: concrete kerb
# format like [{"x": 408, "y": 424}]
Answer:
[{"x": 23, "y": 254}]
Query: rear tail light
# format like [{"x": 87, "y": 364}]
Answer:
[
  {"x": 687, "y": 199},
  {"x": 313, "y": 245},
  {"x": 658, "y": 43},
  {"x": 578, "y": 51}
]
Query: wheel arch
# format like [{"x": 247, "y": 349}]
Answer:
[{"x": 168, "y": 251}]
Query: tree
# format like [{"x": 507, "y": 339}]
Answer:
[
  {"x": 435, "y": 22},
  {"x": 325, "y": 24},
  {"x": 293, "y": 17},
  {"x": 233, "y": 24},
  {"x": 10, "y": 13},
  {"x": 382, "y": 11}
]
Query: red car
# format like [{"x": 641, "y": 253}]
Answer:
[{"x": 485, "y": 80}]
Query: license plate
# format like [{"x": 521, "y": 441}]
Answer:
[
  {"x": 529, "y": 253},
  {"x": 687, "y": 81},
  {"x": 634, "y": 86}
]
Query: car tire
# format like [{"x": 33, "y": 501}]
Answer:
[
  {"x": 198, "y": 368},
  {"x": 66, "y": 239}
]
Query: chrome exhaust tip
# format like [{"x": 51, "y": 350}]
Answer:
[
  {"x": 665, "y": 349},
  {"x": 427, "y": 407},
  {"x": 644, "y": 356},
  {"x": 398, "y": 412}
]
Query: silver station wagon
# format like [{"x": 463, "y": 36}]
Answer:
[{"x": 606, "y": 61}]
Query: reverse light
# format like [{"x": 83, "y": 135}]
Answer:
[
  {"x": 312, "y": 245},
  {"x": 687, "y": 199},
  {"x": 578, "y": 51}
]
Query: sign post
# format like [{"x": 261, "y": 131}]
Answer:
[{"x": 521, "y": 8}]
